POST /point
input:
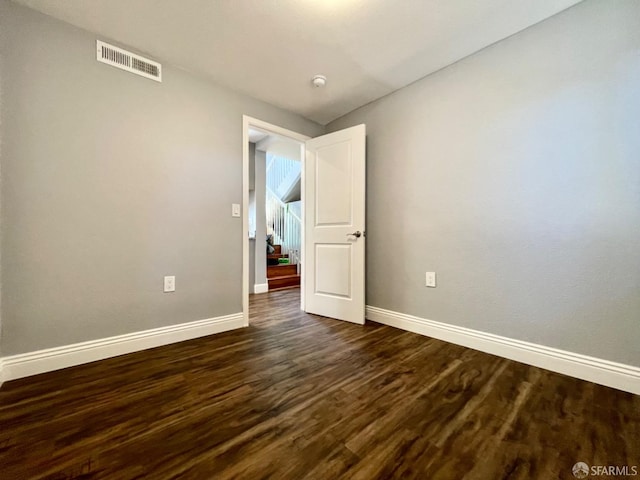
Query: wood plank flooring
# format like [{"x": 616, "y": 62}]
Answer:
[{"x": 299, "y": 396}]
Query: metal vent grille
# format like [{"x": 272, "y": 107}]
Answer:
[
  {"x": 145, "y": 67},
  {"x": 128, "y": 61}
]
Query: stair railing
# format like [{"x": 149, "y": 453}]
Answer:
[
  {"x": 285, "y": 225},
  {"x": 279, "y": 168}
]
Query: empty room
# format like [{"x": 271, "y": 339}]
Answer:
[{"x": 319, "y": 239}]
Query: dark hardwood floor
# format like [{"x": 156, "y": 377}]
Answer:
[{"x": 298, "y": 396}]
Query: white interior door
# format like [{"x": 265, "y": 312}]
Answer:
[{"x": 334, "y": 179}]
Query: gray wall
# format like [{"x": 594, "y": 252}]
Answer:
[
  {"x": 260, "y": 277},
  {"x": 109, "y": 182},
  {"x": 252, "y": 262},
  {"x": 252, "y": 215},
  {"x": 515, "y": 175}
]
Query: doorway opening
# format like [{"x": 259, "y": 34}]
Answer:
[{"x": 273, "y": 217}]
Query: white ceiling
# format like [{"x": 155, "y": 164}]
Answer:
[
  {"x": 255, "y": 135},
  {"x": 270, "y": 49}
]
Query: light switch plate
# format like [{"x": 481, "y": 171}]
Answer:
[{"x": 235, "y": 209}]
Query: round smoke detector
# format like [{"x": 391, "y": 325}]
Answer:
[{"x": 319, "y": 81}]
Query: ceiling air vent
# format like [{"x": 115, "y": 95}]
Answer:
[{"x": 119, "y": 58}]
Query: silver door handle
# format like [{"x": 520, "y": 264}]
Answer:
[{"x": 357, "y": 234}]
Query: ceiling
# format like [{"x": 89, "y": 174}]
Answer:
[
  {"x": 255, "y": 135},
  {"x": 270, "y": 49}
]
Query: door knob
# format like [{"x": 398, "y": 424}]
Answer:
[{"x": 357, "y": 234}]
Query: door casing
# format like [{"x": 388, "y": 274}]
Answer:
[{"x": 248, "y": 122}]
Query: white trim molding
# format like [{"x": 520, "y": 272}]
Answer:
[
  {"x": 261, "y": 288},
  {"x": 41, "y": 361},
  {"x": 604, "y": 372},
  {"x": 1, "y": 372},
  {"x": 248, "y": 122}
]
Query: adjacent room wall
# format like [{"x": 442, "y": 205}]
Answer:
[
  {"x": 260, "y": 271},
  {"x": 252, "y": 215},
  {"x": 515, "y": 175},
  {"x": 109, "y": 182}
]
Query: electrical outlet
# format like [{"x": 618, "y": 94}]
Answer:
[
  {"x": 235, "y": 209},
  {"x": 170, "y": 284},
  {"x": 430, "y": 280}
]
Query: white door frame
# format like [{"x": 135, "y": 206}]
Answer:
[{"x": 275, "y": 129}]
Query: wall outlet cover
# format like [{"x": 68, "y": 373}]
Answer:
[
  {"x": 170, "y": 283},
  {"x": 430, "y": 280}
]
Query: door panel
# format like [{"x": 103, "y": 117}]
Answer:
[
  {"x": 333, "y": 270},
  {"x": 334, "y": 210},
  {"x": 334, "y": 168}
]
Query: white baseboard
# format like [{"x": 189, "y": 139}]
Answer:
[
  {"x": 1, "y": 372},
  {"x": 41, "y": 361},
  {"x": 611, "y": 374},
  {"x": 261, "y": 288}
]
